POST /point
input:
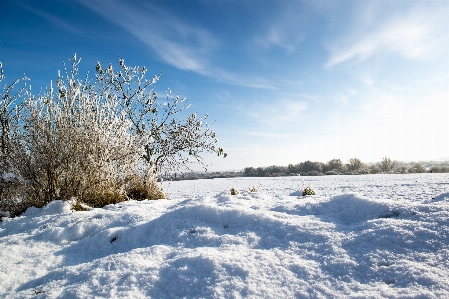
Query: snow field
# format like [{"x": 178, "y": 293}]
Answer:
[{"x": 375, "y": 236}]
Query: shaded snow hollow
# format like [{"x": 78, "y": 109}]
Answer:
[{"x": 375, "y": 236}]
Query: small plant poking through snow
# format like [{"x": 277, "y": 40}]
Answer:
[
  {"x": 254, "y": 189},
  {"x": 307, "y": 190},
  {"x": 76, "y": 205},
  {"x": 80, "y": 207},
  {"x": 234, "y": 191}
]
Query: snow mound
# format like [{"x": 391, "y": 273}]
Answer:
[
  {"x": 54, "y": 207},
  {"x": 341, "y": 209},
  {"x": 296, "y": 193},
  {"x": 441, "y": 197},
  {"x": 350, "y": 208},
  {"x": 345, "y": 242}
]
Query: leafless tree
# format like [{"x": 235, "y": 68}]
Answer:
[
  {"x": 175, "y": 142},
  {"x": 355, "y": 164},
  {"x": 386, "y": 165}
]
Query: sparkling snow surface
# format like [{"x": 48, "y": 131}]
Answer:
[{"x": 373, "y": 236}]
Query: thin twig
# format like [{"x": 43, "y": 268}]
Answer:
[{"x": 116, "y": 266}]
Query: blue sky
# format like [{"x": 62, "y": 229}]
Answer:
[{"x": 284, "y": 81}]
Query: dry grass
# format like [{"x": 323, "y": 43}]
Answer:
[
  {"x": 79, "y": 207},
  {"x": 254, "y": 189},
  {"x": 98, "y": 197},
  {"x": 150, "y": 189},
  {"x": 234, "y": 191}
]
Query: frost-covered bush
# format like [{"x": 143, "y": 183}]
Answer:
[
  {"x": 387, "y": 165},
  {"x": 374, "y": 168},
  {"x": 176, "y": 143},
  {"x": 334, "y": 165},
  {"x": 75, "y": 144},
  {"x": 354, "y": 165},
  {"x": 100, "y": 141},
  {"x": 417, "y": 168},
  {"x": 332, "y": 172},
  {"x": 312, "y": 173},
  {"x": 364, "y": 170},
  {"x": 439, "y": 169},
  {"x": 11, "y": 183}
]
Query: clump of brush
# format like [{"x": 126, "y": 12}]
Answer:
[
  {"x": 307, "y": 190},
  {"x": 234, "y": 191}
]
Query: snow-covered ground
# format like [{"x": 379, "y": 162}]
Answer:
[{"x": 374, "y": 236}]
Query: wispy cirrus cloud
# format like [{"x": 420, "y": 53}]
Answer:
[
  {"x": 186, "y": 47},
  {"x": 412, "y": 35},
  {"x": 183, "y": 46},
  {"x": 278, "y": 37},
  {"x": 285, "y": 29},
  {"x": 55, "y": 21},
  {"x": 278, "y": 112}
]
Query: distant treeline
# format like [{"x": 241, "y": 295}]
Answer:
[
  {"x": 353, "y": 167},
  {"x": 201, "y": 175}
]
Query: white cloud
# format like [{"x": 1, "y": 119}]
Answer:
[
  {"x": 183, "y": 46},
  {"x": 367, "y": 79},
  {"x": 286, "y": 28},
  {"x": 278, "y": 37},
  {"x": 186, "y": 47},
  {"x": 247, "y": 80},
  {"x": 278, "y": 112},
  {"x": 344, "y": 97},
  {"x": 411, "y": 36}
]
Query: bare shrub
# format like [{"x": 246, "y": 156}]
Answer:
[
  {"x": 75, "y": 144},
  {"x": 175, "y": 143},
  {"x": 100, "y": 141},
  {"x": 11, "y": 182}
]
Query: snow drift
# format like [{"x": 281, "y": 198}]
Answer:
[{"x": 373, "y": 236}]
